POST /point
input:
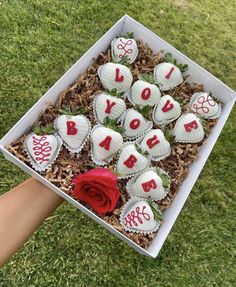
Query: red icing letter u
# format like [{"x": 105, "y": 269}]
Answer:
[
  {"x": 131, "y": 160},
  {"x": 71, "y": 129},
  {"x": 109, "y": 106},
  {"x": 192, "y": 125},
  {"x": 119, "y": 78},
  {"x": 152, "y": 141}
]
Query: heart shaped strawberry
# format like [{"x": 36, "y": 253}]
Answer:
[
  {"x": 74, "y": 130},
  {"x": 188, "y": 129},
  {"x": 167, "y": 76},
  {"x": 124, "y": 47},
  {"x": 149, "y": 184},
  {"x": 143, "y": 93},
  {"x": 131, "y": 161},
  {"x": 42, "y": 147},
  {"x": 204, "y": 105},
  {"x": 106, "y": 105},
  {"x": 138, "y": 216},
  {"x": 134, "y": 124},
  {"x": 115, "y": 76},
  {"x": 105, "y": 144},
  {"x": 166, "y": 111},
  {"x": 155, "y": 143}
]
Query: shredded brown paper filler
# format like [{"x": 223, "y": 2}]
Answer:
[{"x": 82, "y": 93}]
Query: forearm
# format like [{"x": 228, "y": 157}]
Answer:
[{"x": 22, "y": 211}]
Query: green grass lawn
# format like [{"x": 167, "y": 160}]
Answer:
[{"x": 39, "y": 41}]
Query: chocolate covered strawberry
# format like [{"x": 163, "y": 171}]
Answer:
[
  {"x": 140, "y": 216},
  {"x": 124, "y": 46},
  {"x": 42, "y": 147},
  {"x": 107, "y": 105},
  {"x": 73, "y": 128},
  {"x": 115, "y": 76},
  {"x": 106, "y": 141}
]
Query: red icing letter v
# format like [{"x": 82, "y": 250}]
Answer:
[
  {"x": 119, "y": 78},
  {"x": 109, "y": 106},
  {"x": 167, "y": 107},
  {"x": 192, "y": 125},
  {"x": 71, "y": 129}
]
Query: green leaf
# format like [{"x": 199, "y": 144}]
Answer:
[
  {"x": 144, "y": 110},
  {"x": 114, "y": 93},
  {"x": 170, "y": 59},
  {"x": 156, "y": 211},
  {"x": 183, "y": 67},
  {"x": 146, "y": 78},
  {"x": 112, "y": 124},
  {"x": 165, "y": 178},
  {"x": 46, "y": 130}
]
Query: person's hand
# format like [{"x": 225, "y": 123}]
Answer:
[{"x": 22, "y": 210}]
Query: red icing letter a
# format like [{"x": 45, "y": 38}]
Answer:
[
  {"x": 119, "y": 78},
  {"x": 131, "y": 160},
  {"x": 106, "y": 143},
  {"x": 71, "y": 129},
  {"x": 167, "y": 107},
  {"x": 147, "y": 186},
  {"x": 192, "y": 125},
  {"x": 152, "y": 141},
  {"x": 109, "y": 106}
]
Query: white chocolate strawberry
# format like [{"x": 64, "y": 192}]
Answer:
[
  {"x": 143, "y": 93},
  {"x": 74, "y": 131},
  {"x": 166, "y": 111},
  {"x": 115, "y": 76},
  {"x": 155, "y": 143},
  {"x": 148, "y": 185},
  {"x": 42, "y": 150},
  {"x": 107, "y": 105},
  {"x": 137, "y": 216},
  {"x": 167, "y": 76},
  {"x": 205, "y": 106},
  {"x": 131, "y": 161},
  {"x": 105, "y": 144},
  {"x": 134, "y": 124},
  {"x": 188, "y": 129},
  {"x": 122, "y": 47}
]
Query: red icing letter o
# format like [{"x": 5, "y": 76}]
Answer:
[
  {"x": 146, "y": 93},
  {"x": 134, "y": 124}
]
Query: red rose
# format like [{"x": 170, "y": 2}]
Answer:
[{"x": 98, "y": 188}]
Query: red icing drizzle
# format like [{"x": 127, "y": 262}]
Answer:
[
  {"x": 201, "y": 101},
  {"x": 41, "y": 149},
  {"x": 123, "y": 46},
  {"x": 136, "y": 216}
]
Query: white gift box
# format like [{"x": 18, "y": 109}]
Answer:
[{"x": 199, "y": 75}]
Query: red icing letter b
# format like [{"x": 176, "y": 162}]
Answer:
[
  {"x": 152, "y": 141},
  {"x": 131, "y": 160},
  {"x": 192, "y": 125},
  {"x": 71, "y": 129},
  {"x": 119, "y": 78},
  {"x": 147, "y": 186}
]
